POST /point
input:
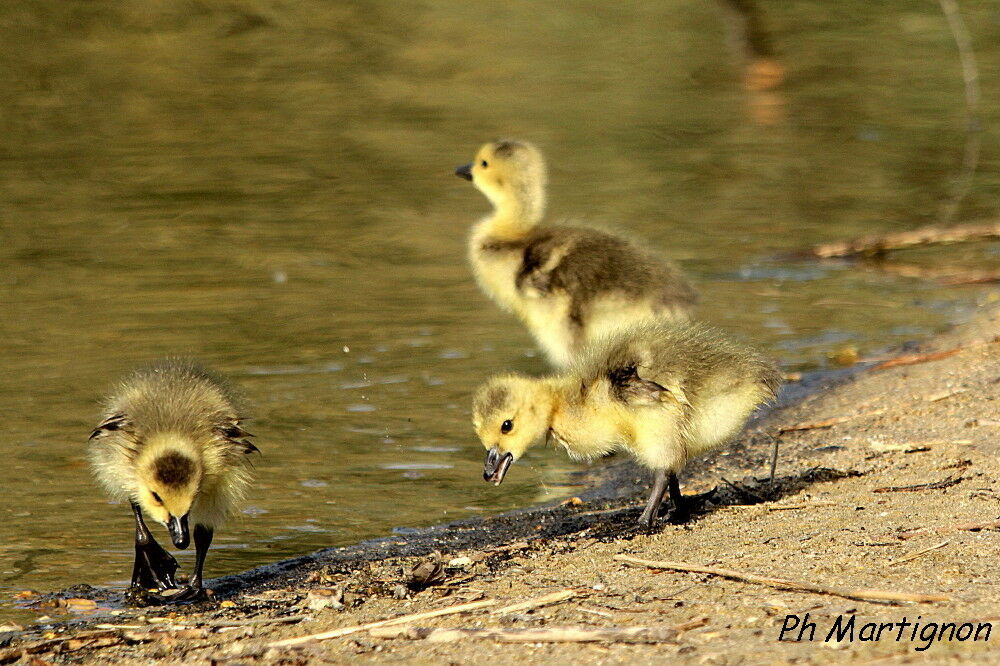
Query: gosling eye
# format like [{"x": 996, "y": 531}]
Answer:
[
  {"x": 484, "y": 164},
  {"x": 156, "y": 498},
  {"x": 506, "y": 427}
]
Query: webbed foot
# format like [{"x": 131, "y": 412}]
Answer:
[{"x": 155, "y": 567}]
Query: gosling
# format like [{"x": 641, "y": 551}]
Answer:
[
  {"x": 172, "y": 445},
  {"x": 662, "y": 391},
  {"x": 569, "y": 285}
]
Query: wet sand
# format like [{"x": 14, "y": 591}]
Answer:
[{"x": 887, "y": 479}]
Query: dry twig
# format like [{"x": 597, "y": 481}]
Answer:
[
  {"x": 941, "y": 395},
  {"x": 343, "y": 631},
  {"x": 942, "y": 529},
  {"x": 936, "y": 485},
  {"x": 915, "y": 555},
  {"x": 544, "y": 600},
  {"x": 255, "y": 622},
  {"x": 546, "y": 635},
  {"x": 862, "y": 594},
  {"x": 913, "y": 359},
  {"x": 827, "y": 423},
  {"x": 804, "y": 505},
  {"x": 815, "y": 425},
  {"x": 881, "y": 242}
]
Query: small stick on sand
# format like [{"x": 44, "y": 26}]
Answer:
[
  {"x": 960, "y": 527},
  {"x": 696, "y": 623},
  {"x": 913, "y": 359},
  {"x": 255, "y": 622},
  {"x": 803, "y": 505},
  {"x": 941, "y": 395},
  {"x": 544, "y": 600},
  {"x": 403, "y": 619},
  {"x": 936, "y": 485},
  {"x": 915, "y": 555},
  {"x": 548, "y": 635},
  {"x": 827, "y": 423},
  {"x": 862, "y": 594},
  {"x": 815, "y": 425}
]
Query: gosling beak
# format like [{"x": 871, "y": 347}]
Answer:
[
  {"x": 178, "y": 528},
  {"x": 464, "y": 171},
  {"x": 495, "y": 466}
]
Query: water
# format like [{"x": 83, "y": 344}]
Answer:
[{"x": 268, "y": 188}]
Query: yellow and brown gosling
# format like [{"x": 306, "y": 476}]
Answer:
[
  {"x": 569, "y": 285},
  {"x": 663, "y": 391},
  {"x": 172, "y": 445}
]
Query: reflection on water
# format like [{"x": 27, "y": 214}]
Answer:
[{"x": 267, "y": 187}]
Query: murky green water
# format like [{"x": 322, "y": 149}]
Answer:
[{"x": 267, "y": 186}]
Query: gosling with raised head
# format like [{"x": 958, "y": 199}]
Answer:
[
  {"x": 172, "y": 445},
  {"x": 662, "y": 391},
  {"x": 569, "y": 285}
]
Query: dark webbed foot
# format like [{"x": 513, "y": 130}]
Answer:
[
  {"x": 679, "y": 516},
  {"x": 189, "y": 593},
  {"x": 156, "y": 567},
  {"x": 137, "y": 596},
  {"x": 193, "y": 591}
]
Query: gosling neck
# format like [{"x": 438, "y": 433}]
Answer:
[
  {"x": 515, "y": 216},
  {"x": 582, "y": 424},
  {"x": 562, "y": 397}
]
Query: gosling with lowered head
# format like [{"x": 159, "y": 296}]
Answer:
[
  {"x": 569, "y": 285},
  {"x": 663, "y": 391},
  {"x": 172, "y": 445}
]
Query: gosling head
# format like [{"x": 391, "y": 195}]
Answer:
[
  {"x": 168, "y": 479},
  {"x": 512, "y": 176},
  {"x": 510, "y": 413}
]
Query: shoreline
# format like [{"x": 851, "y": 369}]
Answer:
[{"x": 855, "y": 447}]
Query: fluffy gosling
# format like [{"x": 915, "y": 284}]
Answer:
[
  {"x": 662, "y": 391},
  {"x": 568, "y": 285},
  {"x": 172, "y": 445}
]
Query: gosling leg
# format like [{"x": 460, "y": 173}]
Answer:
[
  {"x": 202, "y": 541},
  {"x": 681, "y": 512},
  {"x": 655, "y": 497},
  {"x": 154, "y": 567}
]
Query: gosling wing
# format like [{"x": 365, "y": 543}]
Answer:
[
  {"x": 111, "y": 424},
  {"x": 542, "y": 256},
  {"x": 629, "y": 385},
  {"x": 233, "y": 433}
]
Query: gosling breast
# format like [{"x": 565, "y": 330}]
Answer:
[{"x": 177, "y": 405}]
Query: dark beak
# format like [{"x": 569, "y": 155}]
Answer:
[
  {"x": 178, "y": 528},
  {"x": 495, "y": 466},
  {"x": 464, "y": 171}
]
